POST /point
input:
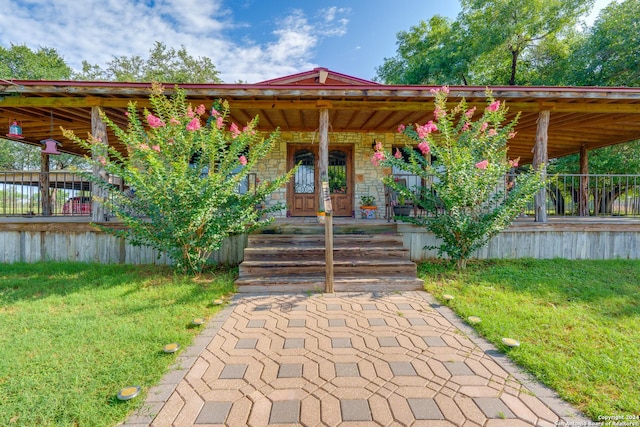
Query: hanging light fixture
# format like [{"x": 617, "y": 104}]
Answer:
[
  {"x": 15, "y": 131},
  {"x": 50, "y": 144}
]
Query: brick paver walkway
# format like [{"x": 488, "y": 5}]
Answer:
[{"x": 346, "y": 359}]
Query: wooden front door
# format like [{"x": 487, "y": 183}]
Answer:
[{"x": 303, "y": 191}]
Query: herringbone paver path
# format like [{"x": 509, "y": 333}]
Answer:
[{"x": 361, "y": 359}]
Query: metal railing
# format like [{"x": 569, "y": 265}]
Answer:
[
  {"x": 68, "y": 195},
  {"x": 574, "y": 195}
]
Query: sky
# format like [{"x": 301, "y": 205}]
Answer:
[{"x": 247, "y": 40}]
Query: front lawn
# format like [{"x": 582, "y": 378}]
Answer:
[
  {"x": 72, "y": 335},
  {"x": 578, "y": 323}
]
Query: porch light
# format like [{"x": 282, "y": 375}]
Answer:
[
  {"x": 198, "y": 321},
  {"x": 15, "y": 131},
  {"x": 510, "y": 342}
]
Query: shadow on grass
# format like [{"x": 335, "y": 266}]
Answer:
[
  {"x": 33, "y": 281},
  {"x": 611, "y": 287}
]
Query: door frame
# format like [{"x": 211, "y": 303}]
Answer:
[{"x": 348, "y": 149}]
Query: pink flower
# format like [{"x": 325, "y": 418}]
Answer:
[
  {"x": 401, "y": 128},
  {"x": 514, "y": 163},
  {"x": 377, "y": 157},
  {"x": 220, "y": 122},
  {"x": 248, "y": 130},
  {"x": 397, "y": 155},
  {"x": 154, "y": 121},
  {"x": 156, "y": 148},
  {"x": 470, "y": 112},
  {"x": 194, "y": 124},
  {"x": 494, "y": 106},
  {"x": 378, "y": 146},
  {"x": 492, "y": 132},
  {"x": 484, "y": 127},
  {"x": 215, "y": 113},
  {"x": 483, "y": 164},
  {"x": 426, "y": 129},
  {"x": 445, "y": 90},
  {"x": 511, "y": 135},
  {"x": 190, "y": 112},
  {"x": 466, "y": 126},
  {"x": 201, "y": 109},
  {"x": 424, "y": 147},
  {"x": 144, "y": 147},
  {"x": 174, "y": 121},
  {"x": 234, "y": 130},
  {"x": 242, "y": 160},
  {"x": 102, "y": 160},
  {"x": 439, "y": 113}
]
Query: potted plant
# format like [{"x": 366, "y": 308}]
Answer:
[
  {"x": 401, "y": 209},
  {"x": 368, "y": 207}
]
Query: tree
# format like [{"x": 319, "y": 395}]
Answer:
[
  {"x": 491, "y": 42},
  {"x": 429, "y": 53},
  {"x": 184, "y": 178},
  {"x": 609, "y": 54},
  {"x": 20, "y": 62},
  {"x": 469, "y": 200},
  {"x": 165, "y": 65}
]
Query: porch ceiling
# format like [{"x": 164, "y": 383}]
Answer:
[{"x": 595, "y": 117}]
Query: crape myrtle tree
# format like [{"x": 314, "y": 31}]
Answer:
[
  {"x": 184, "y": 173},
  {"x": 470, "y": 198}
]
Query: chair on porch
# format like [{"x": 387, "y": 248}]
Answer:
[{"x": 391, "y": 200}]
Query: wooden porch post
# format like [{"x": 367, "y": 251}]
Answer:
[
  {"x": 583, "y": 195},
  {"x": 45, "y": 198},
  {"x": 540, "y": 160},
  {"x": 99, "y": 132},
  {"x": 323, "y": 155}
]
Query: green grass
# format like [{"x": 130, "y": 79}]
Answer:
[
  {"x": 72, "y": 335},
  {"x": 578, "y": 323}
]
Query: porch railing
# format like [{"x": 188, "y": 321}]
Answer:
[
  {"x": 574, "y": 194},
  {"x": 69, "y": 194}
]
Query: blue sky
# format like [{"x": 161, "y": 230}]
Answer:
[{"x": 247, "y": 40}]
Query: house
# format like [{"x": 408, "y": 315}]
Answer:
[{"x": 330, "y": 122}]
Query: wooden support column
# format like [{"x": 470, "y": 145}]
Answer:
[
  {"x": 99, "y": 133},
  {"x": 323, "y": 155},
  {"x": 583, "y": 195},
  {"x": 45, "y": 197},
  {"x": 540, "y": 160}
]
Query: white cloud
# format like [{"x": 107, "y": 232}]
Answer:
[{"x": 98, "y": 30}]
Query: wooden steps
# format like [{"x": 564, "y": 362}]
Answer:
[{"x": 296, "y": 263}]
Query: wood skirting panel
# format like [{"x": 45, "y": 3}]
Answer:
[
  {"x": 544, "y": 242},
  {"x": 32, "y": 242}
]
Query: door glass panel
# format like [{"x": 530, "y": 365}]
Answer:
[
  {"x": 337, "y": 172},
  {"x": 304, "y": 180}
]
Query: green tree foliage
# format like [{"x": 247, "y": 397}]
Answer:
[
  {"x": 184, "y": 178},
  {"x": 609, "y": 54},
  {"x": 20, "y": 62},
  {"x": 491, "y": 42},
  {"x": 165, "y": 65},
  {"x": 469, "y": 201}
]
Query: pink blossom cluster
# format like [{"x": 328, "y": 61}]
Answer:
[
  {"x": 154, "y": 121},
  {"x": 194, "y": 124},
  {"x": 235, "y": 131},
  {"x": 482, "y": 164},
  {"x": 424, "y": 148},
  {"x": 378, "y": 156},
  {"x": 242, "y": 160},
  {"x": 514, "y": 163},
  {"x": 494, "y": 106},
  {"x": 426, "y": 129}
]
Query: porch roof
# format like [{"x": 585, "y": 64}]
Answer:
[{"x": 591, "y": 116}]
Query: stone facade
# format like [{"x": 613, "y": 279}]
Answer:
[{"x": 368, "y": 178}]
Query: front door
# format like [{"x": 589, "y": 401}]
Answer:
[{"x": 303, "y": 191}]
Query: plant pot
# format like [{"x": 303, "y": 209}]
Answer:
[
  {"x": 402, "y": 210},
  {"x": 368, "y": 212}
]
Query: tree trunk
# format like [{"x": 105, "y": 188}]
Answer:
[
  {"x": 583, "y": 198},
  {"x": 44, "y": 185},
  {"x": 99, "y": 132},
  {"x": 514, "y": 64}
]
